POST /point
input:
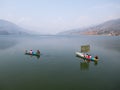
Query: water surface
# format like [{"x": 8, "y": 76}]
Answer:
[{"x": 58, "y": 68}]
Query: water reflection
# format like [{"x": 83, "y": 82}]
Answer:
[
  {"x": 33, "y": 56},
  {"x": 6, "y": 43},
  {"x": 95, "y": 62},
  {"x": 84, "y": 65}
]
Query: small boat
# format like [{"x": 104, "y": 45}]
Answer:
[
  {"x": 33, "y": 53},
  {"x": 83, "y": 56}
]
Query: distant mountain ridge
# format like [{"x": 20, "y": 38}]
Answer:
[
  {"x": 9, "y": 28},
  {"x": 111, "y": 27}
]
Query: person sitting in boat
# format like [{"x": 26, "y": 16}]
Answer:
[
  {"x": 31, "y": 52},
  {"x": 38, "y": 52},
  {"x": 96, "y": 57},
  {"x": 86, "y": 55},
  {"x": 89, "y": 56}
]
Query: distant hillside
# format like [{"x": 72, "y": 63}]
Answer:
[
  {"x": 9, "y": 28},
  {"x": 111, "y": 27},
  {"x": 71, "y": 32}
]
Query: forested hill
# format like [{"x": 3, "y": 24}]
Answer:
[
  {"x": 111, "y": 27},
  {"x": 9, "y": 28}
]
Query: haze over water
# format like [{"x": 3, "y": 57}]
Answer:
[
  {"x": 58, "y": 68},
  {"x": 54, "y": 16}
]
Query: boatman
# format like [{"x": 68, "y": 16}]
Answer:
[
  {"x": 38, "y": 52},
  {"x": 31, "y": 52}
]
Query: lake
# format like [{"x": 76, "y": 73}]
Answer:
[{"x": 58, "y": 68}]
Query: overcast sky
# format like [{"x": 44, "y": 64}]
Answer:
[{"x": 52, "y": 16}]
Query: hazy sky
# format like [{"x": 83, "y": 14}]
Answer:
[{"x": 52, "y": 16}]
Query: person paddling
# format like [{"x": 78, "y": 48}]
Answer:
[
  {"x": 38, "y": 52},
  {"x": 96, "y": 57}
]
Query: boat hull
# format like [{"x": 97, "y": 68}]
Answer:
[
  {"x": 34, "y": 54},
  {"x": 81, "y": 55}
]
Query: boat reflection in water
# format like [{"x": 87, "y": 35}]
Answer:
[{"x": 84, "y": 65}]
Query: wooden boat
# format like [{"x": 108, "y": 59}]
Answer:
[
  {"x": 84, "y": 49},
  {"x": 33, "y": 53},
  {"x": 84, "y": 56}
]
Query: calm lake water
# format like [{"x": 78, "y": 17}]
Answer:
[{"x": 58, "y": 68}]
